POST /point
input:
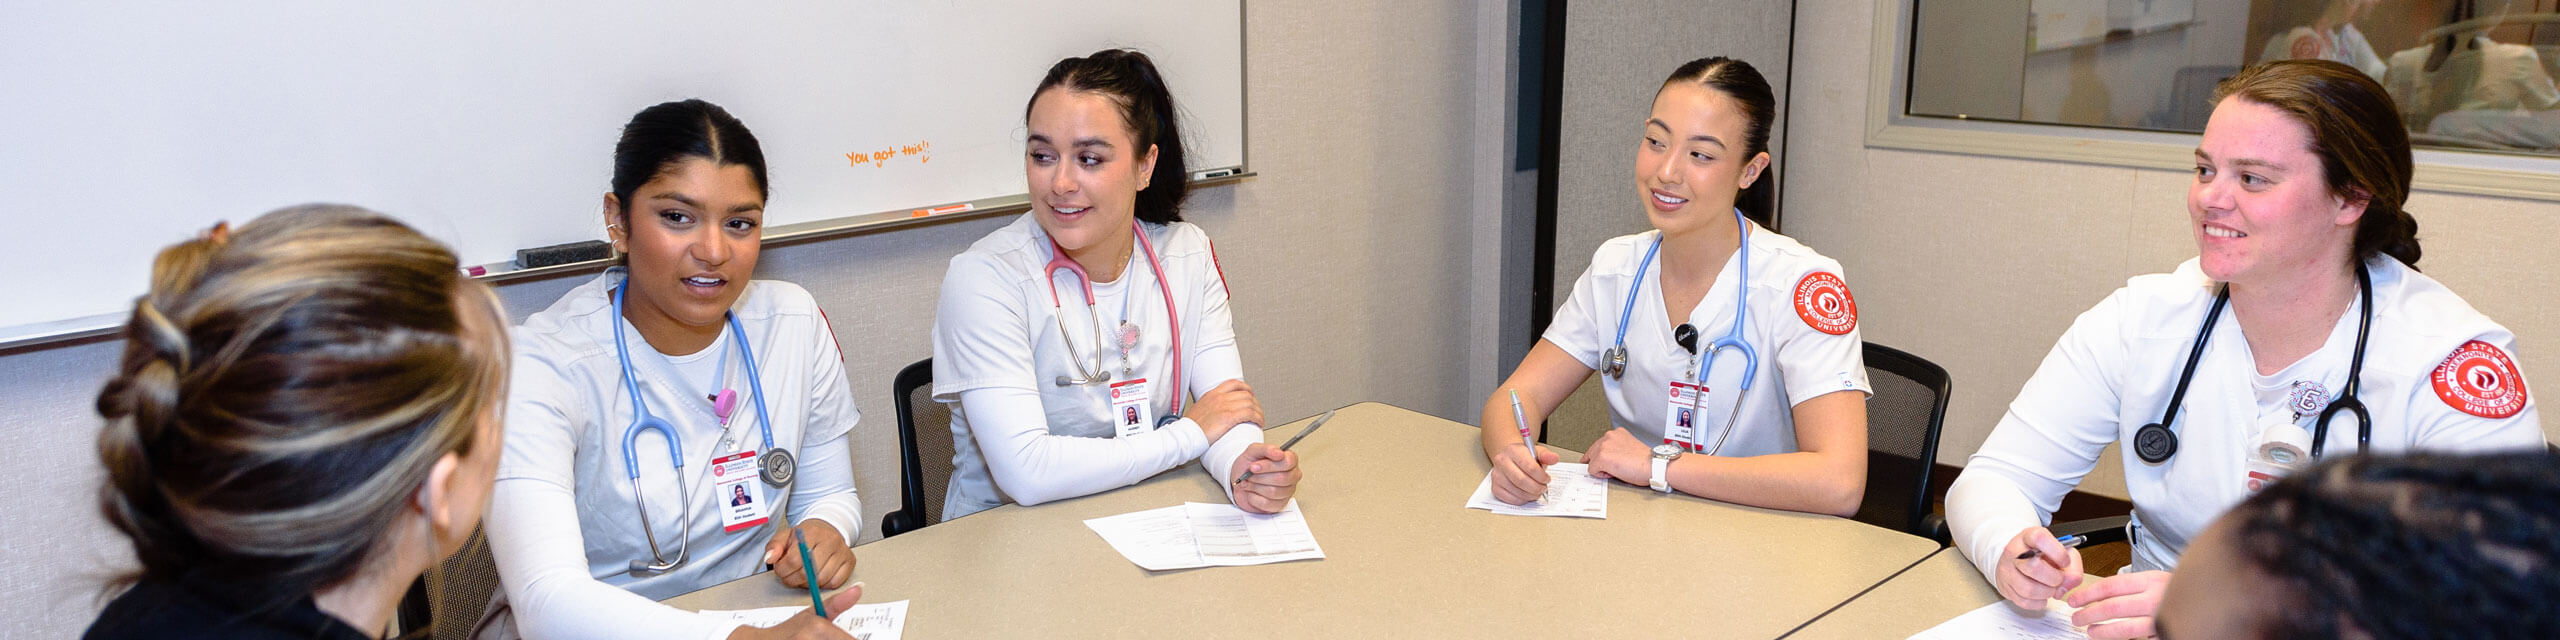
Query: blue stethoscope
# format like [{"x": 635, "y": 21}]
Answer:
[
  {"x": 776, "y": 465},
  {"x": 1615, "y": 360}
]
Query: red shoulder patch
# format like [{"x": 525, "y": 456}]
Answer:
[
  {"x": 1214, "y": 264},
  {"x": 1823, "y": 301},
  {"x": 2479, "y": 379}
]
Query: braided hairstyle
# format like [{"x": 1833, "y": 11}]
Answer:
[
  {"x": 285, "y": 389},
  {"x": 2426, "y": 545},
  {"x": 1130, "y": 79}
]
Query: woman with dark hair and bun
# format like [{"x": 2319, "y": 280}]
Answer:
[
  {"x": 1777, "y": 419},
  {"x": 1098, "y": 304},
  {"x": 2296, "y": 209},
  {"x": 2385, "y": 547},
  {"x": 672, "y": 423},
  {"x": 306, "y": 418}
]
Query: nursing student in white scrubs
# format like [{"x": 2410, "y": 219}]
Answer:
[
  {"x": 1055, "y": 393},
  {"x": 2299, "y": 181},
  {"x": 1796, "y": 438},
  {"x": 736, "y": 369}
]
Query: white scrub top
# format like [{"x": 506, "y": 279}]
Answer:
[
  {"x": 2437, "y": 375},
  {"x": 1802, "y": 321},
  {"x": 563, "y": 522},
  {"x": 1018, "y": 436}
]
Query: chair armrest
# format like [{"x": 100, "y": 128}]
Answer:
[
  {"x": 898, "y": 522},
  {"x": 1935, "y": 527}
]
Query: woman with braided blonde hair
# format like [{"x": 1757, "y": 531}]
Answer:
[{"x": 306, "y": 417}]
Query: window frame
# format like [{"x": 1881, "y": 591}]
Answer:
[{"x": 1891, "y": 126}]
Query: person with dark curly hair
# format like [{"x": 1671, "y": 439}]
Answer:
[{"x": 2382, "y": 547}]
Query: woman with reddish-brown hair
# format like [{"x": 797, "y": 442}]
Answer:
[{"x": 2302, "y": 327}]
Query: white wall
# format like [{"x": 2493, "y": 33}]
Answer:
[
  {"x": 1362, "y": 265},
  {"x": 1979, "y": 263}
]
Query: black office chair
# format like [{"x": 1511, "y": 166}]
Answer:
[
  {"x": 1903, "y": 419},
  {"x": 924, "y": 450},
  {"x": 449, "y": 599}
]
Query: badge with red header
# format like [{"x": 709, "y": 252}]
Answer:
[
  {"x": 1823, "y": 301},
  {"x": 2479, "y": 379}
]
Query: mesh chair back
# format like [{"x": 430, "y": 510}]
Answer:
[
  {"x": 1903, "y": 419},
  {"x": 924, "y": 447},
  {"x": 460, "y": 587}
]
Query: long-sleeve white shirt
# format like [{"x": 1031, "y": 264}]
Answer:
[
  {"x": 997, "y": 351},
  {"x": 563, "y": 522},
  {"x": 2438, "y": 375}
]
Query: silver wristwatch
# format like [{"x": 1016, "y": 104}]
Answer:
[{"x": 1663, "y": 454}]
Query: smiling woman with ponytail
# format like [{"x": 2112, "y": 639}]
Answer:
[
  {"x": 305, "y": 418},
  {"x": 1059, "y": 396}
]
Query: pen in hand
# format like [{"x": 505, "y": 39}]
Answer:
[
  {"x": 2068, "y": 541},
  {"x": 1293, "y": 441},
  {"x": 809, "y": 574},
  {"x": 1521, "y": 418}
]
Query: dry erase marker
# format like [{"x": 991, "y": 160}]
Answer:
[
  {"x": 1293, "y": 441},
  {"x": 809, "y": 574},
  {"x": 2067, "y": 542},
  {"x": 1522, "y": 418},
  {"x": 954, "y": 208}
]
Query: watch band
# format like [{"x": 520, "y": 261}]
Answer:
[{"x": 1661, "y": 480}]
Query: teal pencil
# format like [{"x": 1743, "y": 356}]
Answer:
[{"x": 809, "y": 573}]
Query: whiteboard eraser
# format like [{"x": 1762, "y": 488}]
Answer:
[{"x": 538, "y": 257}]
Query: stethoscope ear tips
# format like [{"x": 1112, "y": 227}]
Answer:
[{"x": 2154, "y": 443}]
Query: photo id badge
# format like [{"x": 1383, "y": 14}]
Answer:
[
  {"x": 733, "y": 483},
  {"x": 1680, "y": 415},
  {"x": 1130, "y": 412}
]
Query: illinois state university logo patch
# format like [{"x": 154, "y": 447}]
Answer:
[
  {"x": 1824, "y": 303},
  {"x": 2479, "y": 379}
]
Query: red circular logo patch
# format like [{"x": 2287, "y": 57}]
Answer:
[
  {"x": 1824, "y": 303},
  {"x": 2479, "y": 379}
]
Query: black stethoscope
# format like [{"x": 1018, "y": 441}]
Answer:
[{"x": 2154, "y": 442}]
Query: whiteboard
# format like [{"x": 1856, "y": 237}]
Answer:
[{"x": 490, "y": 125}]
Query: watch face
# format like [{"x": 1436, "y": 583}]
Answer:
[{"x": 1666, "y": 450}]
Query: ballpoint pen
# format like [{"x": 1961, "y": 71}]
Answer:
[{"x": 1293, "y": 441}]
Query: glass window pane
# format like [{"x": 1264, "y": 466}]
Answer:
[{"x": 2467, "y": 74}]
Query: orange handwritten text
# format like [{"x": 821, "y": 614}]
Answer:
[{"x": 922, "y": 151}]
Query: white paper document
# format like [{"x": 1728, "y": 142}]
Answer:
[
  {"x": 1196, "y": 534},
  {"x": 866, "y": 621},
  {"x": 1571, "y": 492},
  {"x": 2001, "y": 621}
]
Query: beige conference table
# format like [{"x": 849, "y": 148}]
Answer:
[
  {"x": 1385, "y": 495},
  {"x": 1939, "y": 588}
]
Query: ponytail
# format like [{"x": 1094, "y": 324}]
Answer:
[
  {"x": 1131, "y": 80},
  {"x": 2393, "y": 233},
  {"x": 2358, "y": 135}
]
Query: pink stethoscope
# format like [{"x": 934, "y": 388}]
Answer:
[{"x": 1101, "y": 373}]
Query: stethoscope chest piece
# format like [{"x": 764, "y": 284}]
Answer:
[
  {"x": 2154, "y": 443},
  {"x": 1614, "y": 362},
  {"x": 778, "y": 467}
]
